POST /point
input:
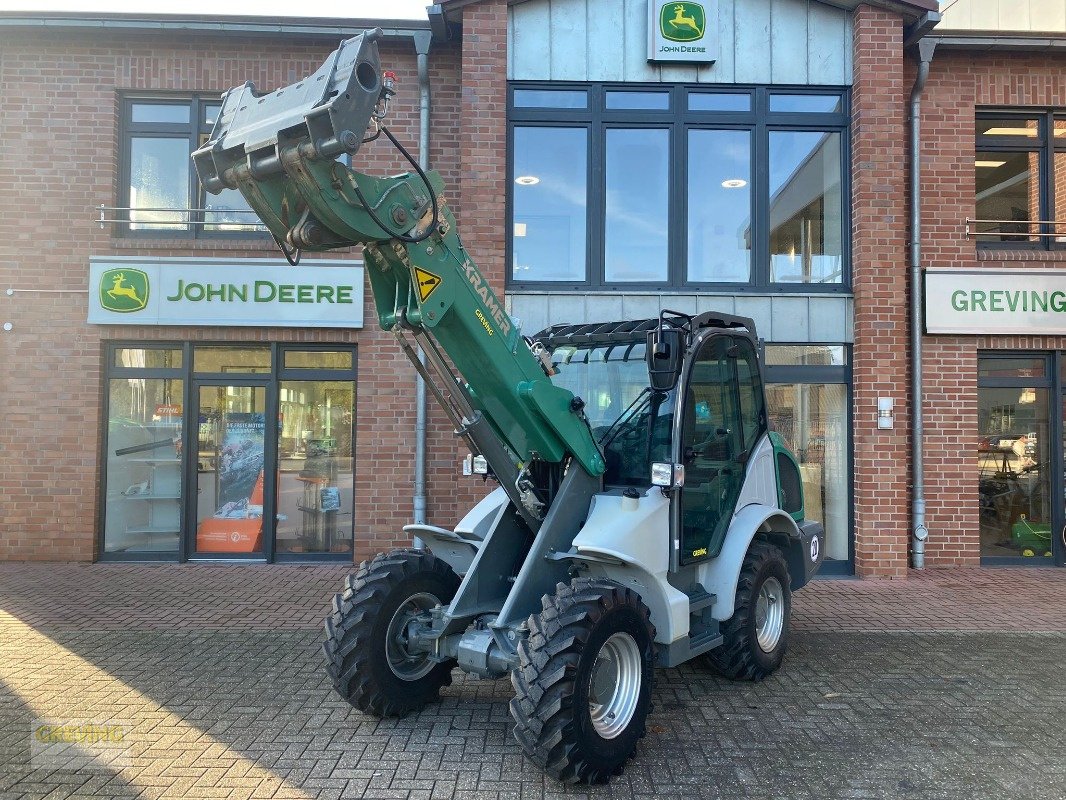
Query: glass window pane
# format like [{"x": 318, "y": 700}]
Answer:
[
  {"x": 315, "y": 461},
  {"x": 1011, "y": 367},
  {"x": 148, "y": 358},
  {"x": 813, "y": 420},
  {"x": 550, "y": 98},
  {"x": 749, "y": 384},
  {"x": 1014, "y": 474},
  {"x": 806, "y": 213},
  {"x": 229, "y": 211},
  {"x": 170, "y": 113},
  {"x": 318, "y": 359},
  {"x": 231, "y": 359},
  {"x": 991, "y": 126},
  {"x": 806, "y": 103},
  {"x": 143, "y": 486},
  {"x": 651, "y": 101},
  {"x": 549, "y": 201},
  {"x": 1008, "y": 195},
  {"x": 719, "y": 206},
  {"x": 211, "y": 113},
  {"x": 1059, "y": 188},
  {"x": 637, "y": 204},
  {"x": 159, "y": 181},
  {"x": 718, "y": 101},
  {"x": 806, "y": 355}
]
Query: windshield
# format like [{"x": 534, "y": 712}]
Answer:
[{"x": 629, "y": 421}]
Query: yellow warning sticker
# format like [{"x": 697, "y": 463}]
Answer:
[{"x": 427, "y": 282}]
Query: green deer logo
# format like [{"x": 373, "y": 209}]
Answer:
[
  {"x": 687, "y": 24},
  {"x": 124, "y": 290}
]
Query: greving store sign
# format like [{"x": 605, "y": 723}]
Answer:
[
  {"x": 240, "y": 292},
  {"x": 980, "y": 301}
]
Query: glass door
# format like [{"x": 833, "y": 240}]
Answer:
[{"x": 232, "y": 471}]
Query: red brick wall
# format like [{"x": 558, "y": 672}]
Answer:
[
  {"x": 880, "y": 286},
  {"x": 958, "y": 83},
  {"x": 58, "y": 123}
]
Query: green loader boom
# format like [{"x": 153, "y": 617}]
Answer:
[{"x": 285, "y": 152}]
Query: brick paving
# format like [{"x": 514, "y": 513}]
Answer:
[{"x": 215, "y": 673}]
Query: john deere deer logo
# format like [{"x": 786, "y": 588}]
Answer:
[
  {"x": 682, "y": 22},
  {"x": 124, "y": 290}
]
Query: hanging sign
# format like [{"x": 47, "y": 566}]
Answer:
[
  {"x": 319, "y": 293},
  {"x": 991, "y": 301},
  {"x": 680, "y": 30}
]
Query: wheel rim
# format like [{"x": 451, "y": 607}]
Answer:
[
  {"x": 406, "y": 664},
  {"x": 770, "y": 614},
  {"x": 614, "y": 685}
]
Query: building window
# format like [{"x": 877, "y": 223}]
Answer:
[
  {"x": 223, "y": 451},
  {"x": 159, "y": 193},
  {"x": 808, "y": 388},
  {"x": 1014, "y": 455},
  {"x": 677, "y": 186},
  {"x": 1020, "y": 179}
]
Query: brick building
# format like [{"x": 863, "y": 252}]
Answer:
[{"x": 754, "y": 161}]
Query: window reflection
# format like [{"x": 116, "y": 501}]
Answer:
[
  {"x": 637, "y": 204},
  {"x": 549, "y": 202},
  {"x": 159, "y": 179},
  {"x": 806, "y": 215},
  {"x": 719, "y": 206},
  {"x": 1007, "y": 192},
  {"x": 1013, "y": 459}
]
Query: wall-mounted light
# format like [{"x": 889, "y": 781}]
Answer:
[
  {"x": 527, "y": 180},
  {"x": 884, "y": 412},
  {"x": 734, "y": 183}
]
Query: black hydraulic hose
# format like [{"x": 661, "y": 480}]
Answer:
[
  {"x": 432, "y": 195},
  {"x": 292, "y": 256}
]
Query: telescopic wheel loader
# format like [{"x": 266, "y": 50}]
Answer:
[{"x": 645, "y": 515}]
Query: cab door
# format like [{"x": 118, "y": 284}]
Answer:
[{"x": 722, "y": 418}]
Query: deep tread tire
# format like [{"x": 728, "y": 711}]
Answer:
[
  {"x": 553, "y": 723},
  {"x": 740, "y": 657},
  {"x": 355, "y": 632}
]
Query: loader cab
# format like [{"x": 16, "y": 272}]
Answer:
[{"x": 721, "y": 417}]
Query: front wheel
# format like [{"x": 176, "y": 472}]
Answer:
[
  {"x": 756, "y": 636},
  {"x": 584, "y": 679},
  {"x": 367, "y": 653}
]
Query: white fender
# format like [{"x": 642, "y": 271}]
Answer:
[
  {"x": 637, "y": 534},
  {"x": 720, "y": 575},
  {"x": 478, "y": 520}
]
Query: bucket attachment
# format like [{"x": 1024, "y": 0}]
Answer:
[{"x": 324, "y": 115}]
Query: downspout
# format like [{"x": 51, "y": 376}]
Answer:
[
  {"x": 919, "y": 532},
  {"x": 422, "y": 41}
]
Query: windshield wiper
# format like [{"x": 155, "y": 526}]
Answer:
[{"x": 643, "y": 399}]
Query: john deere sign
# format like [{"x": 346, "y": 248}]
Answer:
[
  {"x": 682, "y": 31},
  {"x": 991, "y": 301},
  {"x": 242, "y": 292}
]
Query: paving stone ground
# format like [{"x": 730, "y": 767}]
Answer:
[{"x": 215, "y": 677}]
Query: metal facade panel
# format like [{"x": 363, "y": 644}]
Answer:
[
  {"x": 1004, "y": 16},
  {"x": 779, "y": 318},
  {"x": 762, "y": 41},
  {"x": 568, "y": 40},
  {"x": 788, "y": 41}
]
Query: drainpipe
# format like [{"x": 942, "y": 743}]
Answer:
[
  {"x": 421, "y": 41},
  {"x": 919, "y": 532}
]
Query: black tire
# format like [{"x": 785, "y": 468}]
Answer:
[
  {"x": 355, "y": 646},
  {"x": 740, "y": 656},
  {"x": 553, "y": 718}
]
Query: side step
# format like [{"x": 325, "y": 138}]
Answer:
[{"x": 704, "y": 633}]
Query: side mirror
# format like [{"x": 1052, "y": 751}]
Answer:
[{"x": 666, "y": 348}]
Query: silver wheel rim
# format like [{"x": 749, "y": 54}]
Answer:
[
  {"x": 406, "y": 664},
  {"x": 770, "y": 614},
  {"x": 614, "y": 685}
]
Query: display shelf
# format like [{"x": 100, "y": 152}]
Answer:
[{"x": 155, "y": 531}]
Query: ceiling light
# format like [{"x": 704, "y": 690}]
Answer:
[
  {"x": 734, "y": 183},
  {"x": 527, "y": 180},
  {"x": 1009, "y": 132},
  {"x": 520, "y": 229},
  {"x": 989, "y": 163}
]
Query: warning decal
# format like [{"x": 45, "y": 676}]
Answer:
[{"x": 427, "y": 282}]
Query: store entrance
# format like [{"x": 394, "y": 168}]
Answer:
[{"x": 231, "y": 475}]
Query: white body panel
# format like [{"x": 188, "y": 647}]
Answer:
[{"x": 478, "y": 520}]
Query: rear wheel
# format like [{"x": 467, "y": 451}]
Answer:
[
  {"x": 584, "y": 679},
  {"x": 756, "y": 636},
  {"x": 368, "y": 655}
]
